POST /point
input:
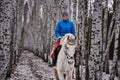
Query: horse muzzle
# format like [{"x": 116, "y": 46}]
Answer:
[{"x": 70, "y": 62}]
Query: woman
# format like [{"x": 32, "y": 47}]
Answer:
[{"x": 63, "y": 27}]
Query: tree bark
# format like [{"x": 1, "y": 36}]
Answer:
[{"x": 95, "y": 52}]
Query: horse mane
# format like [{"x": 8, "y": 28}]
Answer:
[{"x": 64, "y": 39}]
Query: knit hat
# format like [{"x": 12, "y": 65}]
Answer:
[{"x": 64, "y": 14}]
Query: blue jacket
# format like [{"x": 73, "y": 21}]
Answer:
[{"x": 63, "y": 27}]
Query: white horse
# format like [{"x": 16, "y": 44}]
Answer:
[{"x": 65, "y": 62}]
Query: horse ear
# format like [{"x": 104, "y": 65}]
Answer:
[
  {"x": 75, "y": 38},
  {"x": 68, "y": 38}
]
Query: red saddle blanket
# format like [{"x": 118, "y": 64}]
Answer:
[{"x": 54, "y": 48}]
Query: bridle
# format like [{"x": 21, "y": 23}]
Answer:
[
  {"x": 69, "y": 57},
  {"x": 70, "y": 42}
]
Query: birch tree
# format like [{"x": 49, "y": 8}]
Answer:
[
  {"x": 9, "y": 51},
  {"x": 104, "y": 28},
  {"x": 117, "y": 33},
  {"x": 95, "y": 53},
  {"x": 5, "y": 36}
]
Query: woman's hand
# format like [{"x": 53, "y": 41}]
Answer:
[{"x": 59, "y": 39}]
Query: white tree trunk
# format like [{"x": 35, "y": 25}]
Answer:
[
  {"x": 5, "y": 36},
  {"x": 117, "y": 33},
  {"x": 95, "y": 54},
  {"x": 104, "y": 29}
]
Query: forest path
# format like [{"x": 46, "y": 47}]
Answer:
[{"x": 31, "y": 67}]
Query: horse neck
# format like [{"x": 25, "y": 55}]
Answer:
[{"x": 62, "y": 53}]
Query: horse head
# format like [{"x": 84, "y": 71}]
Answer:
[{"x": 69, "y": 44}]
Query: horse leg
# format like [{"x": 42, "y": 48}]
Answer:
[
  {"x": 69, "y": 76},
  {"x": 56, "y": 74},
  {"x": 60, "y": 75}
]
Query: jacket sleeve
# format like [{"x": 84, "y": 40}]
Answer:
[
  {"x": 57, "y": 31},
  {"x": 73, "y": 29}
]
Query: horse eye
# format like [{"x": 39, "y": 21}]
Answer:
[{"x": 66, "y": 47}]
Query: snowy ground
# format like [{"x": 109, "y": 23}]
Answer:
[
  {"x": 104, "y": 75},
  {"x": 31, "y": 67}
]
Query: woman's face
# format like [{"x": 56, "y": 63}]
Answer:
[{"x": 65, "y": 17}]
